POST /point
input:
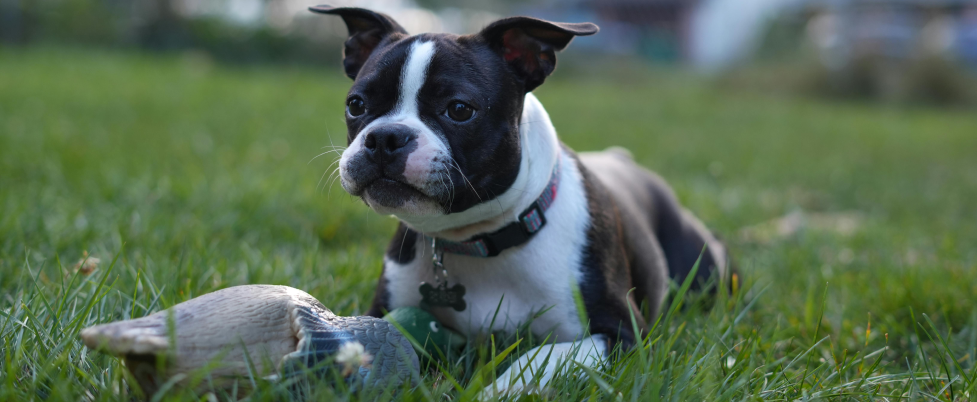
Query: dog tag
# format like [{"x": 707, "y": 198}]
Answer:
[{"x": 442, "y": 296}]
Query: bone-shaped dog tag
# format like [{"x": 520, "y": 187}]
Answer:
[{"x": 442, "y": 296}]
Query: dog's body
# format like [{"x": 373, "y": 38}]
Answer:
[{"x": 445, "y": 134}]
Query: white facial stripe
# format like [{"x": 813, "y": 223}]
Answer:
[
  {"x": 427, "y": 166},
  {"x": 413, "y": 76}
]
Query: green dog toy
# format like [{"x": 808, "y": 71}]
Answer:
[{"x": 436, "y": 339}]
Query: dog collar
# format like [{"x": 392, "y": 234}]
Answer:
[{"x": 530, "y": 222}]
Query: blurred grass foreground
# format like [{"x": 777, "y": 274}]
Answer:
[{"x": 853, "y": 224}]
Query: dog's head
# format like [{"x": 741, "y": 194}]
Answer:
[{"x": 434, "y": 119}]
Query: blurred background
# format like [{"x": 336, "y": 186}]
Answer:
[
  {"x": 832, "y": 145},
  {"x": 889, "y": 50}
]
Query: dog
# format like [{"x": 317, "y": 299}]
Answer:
[{"x": 500, "y": 223}]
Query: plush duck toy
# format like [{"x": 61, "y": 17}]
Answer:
[{"x": 275, "y": 328}]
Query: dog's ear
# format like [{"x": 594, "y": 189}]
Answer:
[
  {"x": 367, "y": 29},
  {"x": 529, "y": 45}
]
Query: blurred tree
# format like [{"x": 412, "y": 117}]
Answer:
[
  {"x": 163, "y": 27},
  {"x": 12, "y": 22}
]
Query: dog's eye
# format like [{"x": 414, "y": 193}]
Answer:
[
  {"x": 460, "y": 111},
  {"x": 355, "y": 107}
]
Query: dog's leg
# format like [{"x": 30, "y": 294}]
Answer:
[{"x": 536, "y": 368}]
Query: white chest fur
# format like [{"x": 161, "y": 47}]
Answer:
[{"x": 528, "y": 279}]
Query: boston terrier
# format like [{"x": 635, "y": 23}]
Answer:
[{"x": 500, "y": 223}]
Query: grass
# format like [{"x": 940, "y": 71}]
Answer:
[{"x": 183, "y": 178}]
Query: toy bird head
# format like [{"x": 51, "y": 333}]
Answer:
[{"x": 436, "y": 339}]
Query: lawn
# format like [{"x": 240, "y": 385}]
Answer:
[{"x": 184, "y": 177}]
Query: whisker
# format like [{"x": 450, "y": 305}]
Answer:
[
  {"x": 336, "y": 174},
  {"x": 496, "y": 198},
  {"x": 332, "y": 145},
  {"x": 402, "y": 242},
  {"x": 320, "y": 179},
  {"x": 451, "y": 188},
  {"x": 445, "y": 187},
  {"x": 333, "y": 181},
  {"x": 328, "y": 168},
  {"x": 337, "y": 150},
  {"x": 457, "y": 167}
]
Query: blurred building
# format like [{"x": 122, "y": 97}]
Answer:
[
  {"x": 708, "y": 34},
  {"x": 848, "y": 31},
  {"x": 728, "y": 32},
  {"x": 895, "y": 50},
  {"x": 662, "y": 25},
  {"x": 711, "y": 35}
]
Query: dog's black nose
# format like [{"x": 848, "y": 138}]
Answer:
[{"x": 389, "y": 142}]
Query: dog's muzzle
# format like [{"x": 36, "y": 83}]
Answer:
[{"x": 390, "y": 167}]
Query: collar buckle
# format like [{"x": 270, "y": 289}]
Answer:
[
  {"x": 530, "y": 222},
  {"x": 533, "y": 219}
]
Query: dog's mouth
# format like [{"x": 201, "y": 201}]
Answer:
[{"x": 390, "y": 193}]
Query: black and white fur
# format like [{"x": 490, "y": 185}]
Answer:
[{"x": 613, "y": 228}]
